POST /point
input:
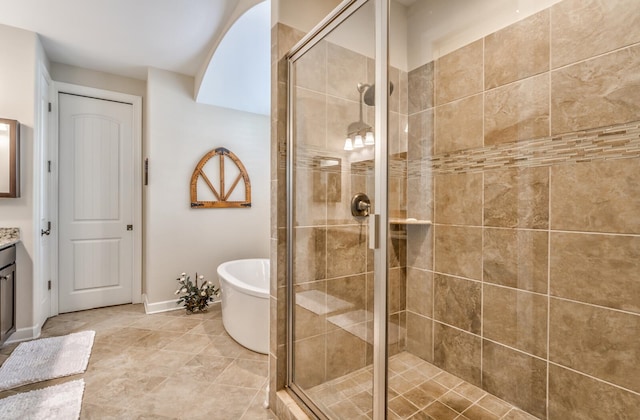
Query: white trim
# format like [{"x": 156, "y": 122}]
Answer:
[
  {"x": 165, "y": 306},
  {"x": 40, "y": 314},
  {"x": 157, "y": 307},
  {"x": 24, "y": 334},
  {"x": 136, "y": 102}
]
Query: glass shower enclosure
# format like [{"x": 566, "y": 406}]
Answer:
[{"x": 465, "y": 243}]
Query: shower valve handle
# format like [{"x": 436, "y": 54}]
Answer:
[{"x": 360, "y": 205}]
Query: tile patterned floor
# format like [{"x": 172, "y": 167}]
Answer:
[
  {"x": 417, "y": 390},
  {"x": 162, "y": 366}
]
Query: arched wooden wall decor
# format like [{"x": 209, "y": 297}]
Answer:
[{"x": 221, "y": 194}]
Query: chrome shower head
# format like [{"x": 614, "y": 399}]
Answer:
[{"x": 370, "y": 94}]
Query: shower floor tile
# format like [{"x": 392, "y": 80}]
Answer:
[{"x": 417, "y": 390}]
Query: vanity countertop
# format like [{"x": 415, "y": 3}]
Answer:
[{"x": 9, "y": 236}]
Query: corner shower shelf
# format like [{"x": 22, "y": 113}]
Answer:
[{"x": 395, "y": 221}]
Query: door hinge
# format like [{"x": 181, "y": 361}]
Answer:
[
  {"x": 129, "y": 227},
  {"x": 49, "y": 166},
  {"x": 49, "y": 106},
  {"x": 49, "y": 285}
]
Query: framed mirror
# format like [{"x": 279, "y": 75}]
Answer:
[{"x": 9, "y": 158}]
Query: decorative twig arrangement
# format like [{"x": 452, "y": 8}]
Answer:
[{"x": 221, "y": 193}]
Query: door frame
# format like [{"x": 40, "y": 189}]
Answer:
[
  {"x": 136, "y": 102},
  {"x": 42, "y": 139}
]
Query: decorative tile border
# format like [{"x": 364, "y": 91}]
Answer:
[{"x": 615, "y": 142}]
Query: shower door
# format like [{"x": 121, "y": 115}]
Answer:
[{"x": 337, "y": 270}]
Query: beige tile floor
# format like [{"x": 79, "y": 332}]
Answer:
[
  {"x": 162, "y": 366},
  {"x": 417, "y": 390}
]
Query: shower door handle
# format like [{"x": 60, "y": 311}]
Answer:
[{"x": 374, "y": 231}]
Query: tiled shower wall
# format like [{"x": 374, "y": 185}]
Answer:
[
  {"x": 333, "y": 267},
  {"x": 524, "y": 149}
]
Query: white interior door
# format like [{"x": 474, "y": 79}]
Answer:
[{"x": 96, "y": 203}]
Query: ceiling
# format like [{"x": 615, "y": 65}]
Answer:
[{"x": 125, "y": 37}]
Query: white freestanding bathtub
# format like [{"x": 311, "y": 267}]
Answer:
[{"x": 244, "y": 287}]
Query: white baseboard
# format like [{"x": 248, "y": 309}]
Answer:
[
  {"x": 166, "y": 306},
  {"x": 24, "y": 334},
  {"x": 157, "y": 307}
]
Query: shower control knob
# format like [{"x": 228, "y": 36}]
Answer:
[{"x": 360, "y": 205}]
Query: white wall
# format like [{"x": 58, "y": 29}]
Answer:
[
  {"x": 179, "y": 133},
  {"x": 17, "y": 101}
]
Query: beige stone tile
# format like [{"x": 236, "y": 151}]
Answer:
[
  {"x": 104, "y": 412},
  {"x": 244, "y": 373},
  {"x": 455, "y": 401},
  {"x": 437, "y": 410},
  {"x": 420, "y": 135},
  {"x": 345, "y": 409},
  {"x": 458, "y": 251},
  {"x": 608, "y": 202},
  {"x": 397, "y": 290},
  {"x": 425, "y": 393},
  {"x": 190, "y": 343},
  {"x": 123, "y": 389},
  {"x": 311, "y": 68},
  {"x": 308, "y": 211},
  {"x": 596, "y": 93},
  {"x": 517, "y": 414},
  {"x": 311, "y": 118},
  {"x": 363, "y": 400},
  {"x": 346, "y": 248},
  {"x": 470, "y": 392},
  {"x": 448, "y": 380},
  {"x": 403, "y": 93},
  {"x": 458, "y": 199},
  {"x": 309, "y": 322},
  {"x": 223, "y": 346},
  {"x": 121, "y": 336},
  {"x": 420, "y": 247},
  {"x": 309, "y": 357},
  {"x": 520, "y": 50},
  {"x": 598, "y": 269},
  {"x": 420, "y": 197},
  {"x": 345, "y": 69},
  {"x": 402, "y": 407},
  {"x": 340, "y": 113},
  {"x": 582, "y": 337},
  {"x": 310, "y": 254},
  {"x": 515, "y": 377},
  {"x": 420, "y": 291},
  {"x": 459, "y": 73},
  {"x": 419, "y": 336},
  {"x": 515, "y": 318},
  {"x": 399, "y": 384},
  {"x": 584, "y": 28},
  {"x": 517, "y": 198},
  {"x": 476, "y": 412},
  {"x": 516, "y": 258},
  {"x": 453, "y": 133},
  {"x": 420, "y": 89},
  {"x": 457, "y": 302},
  {"x": 202, "y": 368},
  {"x": 589, "y": 398},
  {"x": 287, "y": 37},
  {"x": 155, "y": 339},
  {"x": 351, "y": 289},
  {"x": 517, "y": 111},
  {"x": 346, "y": 353},
  {"x": 457, "y": 352}
]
